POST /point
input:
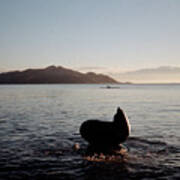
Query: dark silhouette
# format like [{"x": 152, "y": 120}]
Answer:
[
  {"x": 53, "y": 74},
  {"x": 106, "y": 134}
]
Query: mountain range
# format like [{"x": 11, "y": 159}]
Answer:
[
  {"x": 164, "y": 74},
  {"x": 59, "y": 74},
  {"x": 53, "y": 74}
]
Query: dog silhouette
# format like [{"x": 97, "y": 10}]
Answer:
[{"x": 106, "y": 134}]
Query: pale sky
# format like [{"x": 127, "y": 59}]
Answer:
[{"x": 122, "y": 34}]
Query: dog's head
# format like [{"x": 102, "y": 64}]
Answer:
[
  {"x": 120, "y": 119},
  {"x": 119, "y": 116}
]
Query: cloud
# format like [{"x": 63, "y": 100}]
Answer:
[
  {"x": 104, "y": 70},
  {"x": 90, "y": 68}
]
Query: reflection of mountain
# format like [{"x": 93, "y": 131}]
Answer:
[
  {"x": 53, "y": 74},
  {"x": 156, "y": 75}
]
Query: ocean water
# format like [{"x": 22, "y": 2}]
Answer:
[{"x": 39, "y": 125}]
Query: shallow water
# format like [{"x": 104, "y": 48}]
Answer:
[{"x": 39, "y": 124}]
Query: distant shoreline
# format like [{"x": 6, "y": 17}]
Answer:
[{"x": 107, "y": 84}]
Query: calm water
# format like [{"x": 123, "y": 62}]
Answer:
[{"x": 39, "y": 124}]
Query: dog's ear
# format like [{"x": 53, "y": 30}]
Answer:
[{"x": 118, "y": 110}]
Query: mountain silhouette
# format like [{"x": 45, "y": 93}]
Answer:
[
  {"x": 52, "y": 75},
  {"x": 163, "y": 74}
]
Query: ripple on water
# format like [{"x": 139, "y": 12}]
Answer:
[{"x": 144, "y": 159}]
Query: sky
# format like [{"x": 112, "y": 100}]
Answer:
[{"x": 116, "y": 34}]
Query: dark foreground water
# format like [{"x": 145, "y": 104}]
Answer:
[{"x": 39, "y": 125}]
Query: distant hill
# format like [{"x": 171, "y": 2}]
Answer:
[
  {"x": 51, "y": 75},
  {"x": 163, "y": 74}
]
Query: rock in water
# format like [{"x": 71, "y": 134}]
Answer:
[
  {"x": 76, "y": 146},
  {"x": 106, "y": 134}
]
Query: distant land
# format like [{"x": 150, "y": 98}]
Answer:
[
  {"x": 59, "y": 74},
  {"x": 54, "y": 75},
  {"x": 163, "y": 74}
]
